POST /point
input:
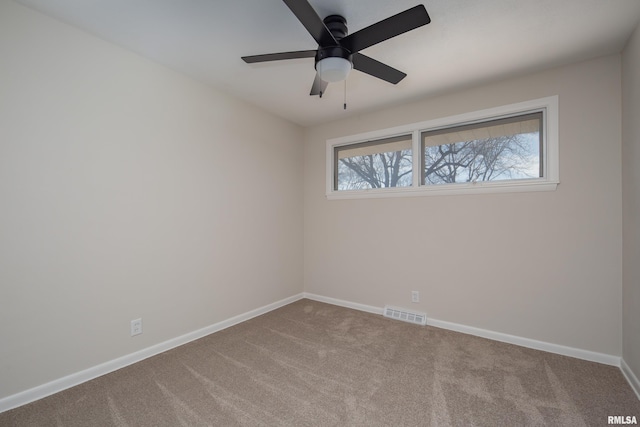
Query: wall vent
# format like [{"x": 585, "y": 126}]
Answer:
[{"x": 405, "y": 315}]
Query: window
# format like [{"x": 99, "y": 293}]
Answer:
[
  {"x": 494, "y": 150},
  {"x": 510, "y": 148},
  {"x": 384, "y": 163}
]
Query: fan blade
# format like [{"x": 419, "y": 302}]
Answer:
[
  {"x": 279, "y": 56},
  {"x": 377, "y": 69},
  {"x": 393, "y": 26},
  {"x": 312, "y": 22},
  {"x": 319, "y": 86}
]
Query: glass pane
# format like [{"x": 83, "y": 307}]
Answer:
[
  {"x": 377, "y": 164},
  {"x": 504, "y": 149}
]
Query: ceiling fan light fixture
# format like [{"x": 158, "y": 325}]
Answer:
[{"x": 333, "y": 69}]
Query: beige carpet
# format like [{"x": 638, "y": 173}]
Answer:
[{"x": 314, "y": 364}]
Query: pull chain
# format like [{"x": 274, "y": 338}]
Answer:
[{"x": 345, "y": 94}]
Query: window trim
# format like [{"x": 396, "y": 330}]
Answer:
[{"x": 550, "y": 159}]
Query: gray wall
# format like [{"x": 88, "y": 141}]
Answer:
[
  {"x": 128, "y": 190},
  {"x": 631, "y": 203},
  {"x": 545, "y": 266}
]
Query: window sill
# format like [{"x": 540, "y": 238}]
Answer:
[{"x": 447, "y": 190}]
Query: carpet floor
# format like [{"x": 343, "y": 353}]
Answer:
[{"x": 315, "y": 364}]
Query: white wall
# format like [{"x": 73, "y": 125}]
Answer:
[
  {"x": 544, "y": 266},
  {"x": 128, "y": 190},
  {"x": 631, "y": 202}
]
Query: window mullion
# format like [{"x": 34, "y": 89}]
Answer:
[{"x": 416, "y": 157}]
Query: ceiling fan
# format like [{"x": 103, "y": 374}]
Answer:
[{"x": 338, "y": 52}]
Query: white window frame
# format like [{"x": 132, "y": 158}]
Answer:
[{"x": 550, "y": 154}]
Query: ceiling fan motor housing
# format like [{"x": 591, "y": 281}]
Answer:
[
  {"x": 337, "y": 25},
  {"x": 333, "y": 52}
]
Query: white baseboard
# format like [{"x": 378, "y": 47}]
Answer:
[
  {"x": 631, "y": 377},
  {"x": 592, "y": 356},
  {"x": 77, "y": 378},
  {"x": 578, "y": 353},
  {"x": 343, "y": 303}
]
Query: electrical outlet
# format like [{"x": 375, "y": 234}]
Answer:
[
  {"x": 415, "y": 296},
  {"x": 136, "y": 327}
]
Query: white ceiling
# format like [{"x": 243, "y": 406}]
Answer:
[{"x": 466, "y": 43}]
